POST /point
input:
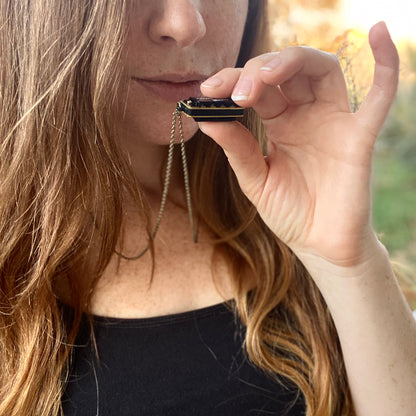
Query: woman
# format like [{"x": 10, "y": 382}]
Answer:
[{"x": 87, "y": 94}]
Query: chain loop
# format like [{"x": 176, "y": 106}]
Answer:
[{"x": 176, "y": 119}]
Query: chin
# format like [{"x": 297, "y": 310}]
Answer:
[{"x": 190, "y": 127}]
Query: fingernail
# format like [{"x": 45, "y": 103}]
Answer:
[
  {"x": 273, "y": 64},
  {"x": 212, "y": 82},
  {"x": 242, "y": 90}
]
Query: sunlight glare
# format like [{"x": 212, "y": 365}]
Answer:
[{"x": 399, "y": 16}]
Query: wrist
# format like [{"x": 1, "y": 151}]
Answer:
[
  {"x": 372, "y": 257},
  {"x": 368, "y": 286}
]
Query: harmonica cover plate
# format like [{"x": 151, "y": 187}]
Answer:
[{"x": 210, "y": 109}]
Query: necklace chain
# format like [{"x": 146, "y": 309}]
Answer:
[
  {"x": 176, "y": 119},
  {"x": 186, "y": 177}
]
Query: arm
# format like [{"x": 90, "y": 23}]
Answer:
[
  {"x": 377, "y": 332},
  {"x": 313, "y": 191}
]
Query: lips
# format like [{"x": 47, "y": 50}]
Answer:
[{"x": 172, "y": 87}]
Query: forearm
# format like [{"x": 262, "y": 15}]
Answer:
[{"x": 377, "y": 332}]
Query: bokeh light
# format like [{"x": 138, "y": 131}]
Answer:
[{"x": 399, "y": 16}]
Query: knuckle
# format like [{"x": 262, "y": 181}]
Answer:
[
  {"x": 252, "y": 63},
  {"x": 294, "y": 52},
  {"x": 333, "y": 58},
  {"x": 258, "y": 61}
]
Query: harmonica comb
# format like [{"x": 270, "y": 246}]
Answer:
[{"x": 210, "y": 109}]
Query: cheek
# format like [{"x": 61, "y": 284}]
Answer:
[
  {"x": 226, "y": 33},
  {"x": 142, "y": 120}
]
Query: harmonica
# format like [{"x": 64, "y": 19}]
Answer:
[{"x": 210, "y": 109}]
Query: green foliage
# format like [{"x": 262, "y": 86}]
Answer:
[{"x": 394, "y": 177}]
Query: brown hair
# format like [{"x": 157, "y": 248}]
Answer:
[{"x": 62, "y": 181}]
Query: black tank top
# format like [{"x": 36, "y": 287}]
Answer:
[{"x": 186, "y": 364}]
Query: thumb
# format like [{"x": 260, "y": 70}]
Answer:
[{"x": 243, "y": 153}]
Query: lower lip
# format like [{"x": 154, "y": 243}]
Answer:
[{"x": 171, "y": 91}]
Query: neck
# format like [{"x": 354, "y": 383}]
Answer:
[{"x": 150, "y": 162}]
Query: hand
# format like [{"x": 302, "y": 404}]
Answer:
[{"x": 313, "y": 188}]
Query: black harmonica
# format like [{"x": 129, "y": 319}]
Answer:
[{"x": 210, "y": 109}]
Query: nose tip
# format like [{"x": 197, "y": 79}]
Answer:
[{"x": 181, "y": 22}]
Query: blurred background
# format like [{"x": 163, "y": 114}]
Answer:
[{"x": 341, "y": 27}]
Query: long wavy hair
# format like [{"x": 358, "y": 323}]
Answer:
[{"x": 62, "y": 181}]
